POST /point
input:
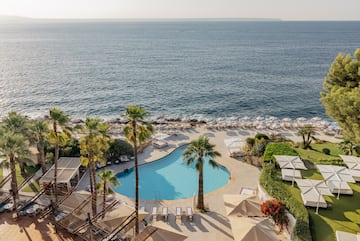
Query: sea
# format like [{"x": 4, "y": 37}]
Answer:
[{"x": 175, "y": 69}]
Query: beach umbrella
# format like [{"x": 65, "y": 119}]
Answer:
[
  {"x": 352, "y": 162},
  {"x": 287, "y": 119},
  {"x": 242, "y": 205},
  {"x": 252, "y": 229},
  {"x": 164, "y": 232},
  {"x": 336, "y": 174},
  {"x": 118, "y": 214},
  {"x": 301, "y": 119},
  {"x": 345, "y": 236},
  {"x": 312, "y": 192},
  {"x": 290, "y": 162}
]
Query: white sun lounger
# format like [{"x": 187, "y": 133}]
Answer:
[
  {"x": 154, "y": 213},
  {"x": 165, "y": 213},
  {"x": 189, "y": 213},
  {"x": 178, "y": 213}
]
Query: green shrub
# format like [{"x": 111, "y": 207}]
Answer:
[
  {"x": 259, "y": 147},
  {"x": 250, "y": 141},
  {"x": 278, "y": 149},
  {"x": 357, "y": 150},
  {"x": 326, "y": 151},
  {"x": 261, "y": 136},
  {"x": 277, "y": 189},
  {"x": 118, "y": 148}
]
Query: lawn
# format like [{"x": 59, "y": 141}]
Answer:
[
  {"x": 32, "y": 187},
  {"x": 344, "y": 214},
  {"x": 316, "y": 156},
  {"x": 1, "y": 174}
]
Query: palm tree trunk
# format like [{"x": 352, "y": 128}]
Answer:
[
  {"x": 92, "y": 176},
  {"x": 200, "y": 204},
  {"x": 14, "y": 182},
  {"x": 22, "y": 168},
  {"x": 304, "y": 142},
  {"x": 136, "y": 181},
  {"x": 104, "y": 197},
  {"x": 308, "y": 139},
  {"x": 41, "y": 157},
  {"x": 55, "y": 170},
  {"x": 91, "y": 184}
]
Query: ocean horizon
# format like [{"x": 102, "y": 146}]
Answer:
[{"x": 176, "y": 69}]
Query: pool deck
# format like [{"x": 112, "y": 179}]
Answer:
[
  {"x": 213, "y": 225},
  {"x": 210, "y": 226}
]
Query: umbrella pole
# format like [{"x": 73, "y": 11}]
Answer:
[
  {"x": 292, "y": 183},
  {"x": 317, "y": 205},
  {"x": 338, "y": 196}
]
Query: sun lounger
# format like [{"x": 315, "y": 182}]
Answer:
[
  {"x": 165, "y": 213},
  {"x": 189, "y": 213},
  {"x": 124, "y": 158},
  {"x": 159, "y": 144},
  {"x": 142, "y": 208},
  {"x": 178, "y": 213},
  {"x": 154, "y": 213}
]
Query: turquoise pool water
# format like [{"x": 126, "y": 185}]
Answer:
[{"x": 169, "y": 178}]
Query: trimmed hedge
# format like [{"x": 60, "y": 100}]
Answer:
[
  {"x": 278, "y": 149},
  {"x": 277, "y": 189}
]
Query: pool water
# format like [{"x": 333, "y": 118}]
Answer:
[{"x": 169, "y": 178}]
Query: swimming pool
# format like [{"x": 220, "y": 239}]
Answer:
[{"x": 169, "y": 178}]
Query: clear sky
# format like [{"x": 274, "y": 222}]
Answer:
[{"x": 282, "y": 9}]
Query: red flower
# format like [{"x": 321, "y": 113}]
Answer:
[{"x": 276, "y": 210}]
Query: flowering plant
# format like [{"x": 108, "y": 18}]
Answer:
[{"x": 276, "y": 210}]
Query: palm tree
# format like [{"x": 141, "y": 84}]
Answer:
[
  {"x": 348, "y": 147},
  {"x": 198, "y": 152},
  {"x": 16, "y": 123},
  {"x": 136, "y": 132},
  {"x": 107, "y": 177},
  {"x": 307, "y": 132},
  {"x": 93, "y": 145},
  {"x": 13, "y": 146},
  {"x": 39, "y": 133},
  {"x": 58, "y": 119}
]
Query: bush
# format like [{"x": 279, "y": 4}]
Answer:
[
  {"x": 357, "y": 150},
  {"x": 118, "y": 148},
  {"x": 250, "y": 141},
  {"x": 261, "y": 136},
  {"x": 278, "y": 190},
  {"x": 276, "y": 210},
  {"x": 278, "y": 149},
  {"x": 259, "y": 147},
  {"x": 326, "y": 151}
]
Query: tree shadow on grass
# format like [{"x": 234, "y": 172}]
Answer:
[{"x": 322, "y": 230}]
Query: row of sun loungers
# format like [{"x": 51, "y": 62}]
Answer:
[{"x": 164, "y": 213}]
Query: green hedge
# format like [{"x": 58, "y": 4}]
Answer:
[
  {"x": 277, "y": 189},
  {"x": 278, "y": 149}
]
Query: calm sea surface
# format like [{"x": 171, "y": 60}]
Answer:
[{"x": 211, "y": 69}]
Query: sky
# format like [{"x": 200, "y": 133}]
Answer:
[{"x": 174, "y": 9}]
